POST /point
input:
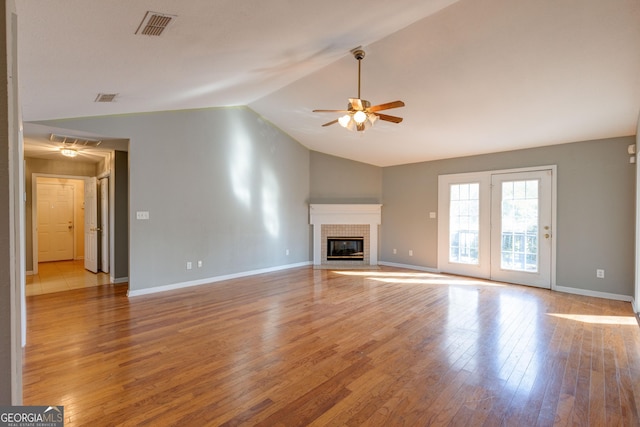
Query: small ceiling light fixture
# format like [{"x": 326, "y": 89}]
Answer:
[{"x": 68, "y": 152}]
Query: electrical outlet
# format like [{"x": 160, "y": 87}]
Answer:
[
  {"x": 189, "y": 265},
  {"x": 395, "y": 251},
  {"x": 600, "y": 273},
  {"x": 142, "y": 215},
  {"x": 199, "y": 264},
  {"x": 286, "y": 252},
  {"x": 410, "y": 252}
]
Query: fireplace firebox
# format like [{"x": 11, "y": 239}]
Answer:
[{"x": 345, "y": 248}]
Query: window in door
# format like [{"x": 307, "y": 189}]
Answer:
[
  {"x": 464, "y": 223},
  {"x": 519, "y": 220}
]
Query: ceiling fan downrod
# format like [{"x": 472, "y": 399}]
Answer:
[{"x": 359, "y": 55}]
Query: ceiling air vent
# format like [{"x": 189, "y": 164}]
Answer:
[
  {"x": 154, "y": 23},
  {"x": 106, "y": 97},
  {"x": 74, "y": 141}
]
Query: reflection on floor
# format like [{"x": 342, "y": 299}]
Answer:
[{"x": 63, "y": 276}]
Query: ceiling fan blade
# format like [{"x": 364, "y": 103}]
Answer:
[
  {"x": 330, "y": 123},
  {"x": 388, "y": 118},
  {"x": 356, "y": 104},
  {"x": 330, "y": 111},
  {"x": 387, "y": 106}
]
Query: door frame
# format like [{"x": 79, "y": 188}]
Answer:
[
  {"x": 443, "y": 212},
  {"x": 34, "y": 214},
  {"x": 105, "y": 233}
]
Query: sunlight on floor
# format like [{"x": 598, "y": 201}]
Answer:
[
  {"x": 598, "y": 320},
  {"x": 417, "y": 278}
]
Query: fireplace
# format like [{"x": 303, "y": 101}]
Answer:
[
  {"x": 345, "y": 248},
  {"x": 355, "y": 225}
]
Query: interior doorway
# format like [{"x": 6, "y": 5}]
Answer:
[
  {"x": 70, "y": 221},
  {"x": 58, "y": 219}
]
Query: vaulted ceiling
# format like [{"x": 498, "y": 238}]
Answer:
[{"x": 477, "y": 76}]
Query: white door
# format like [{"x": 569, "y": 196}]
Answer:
[
  {"x": 521, "y": 228},
  {"x": 55, "y": 222},
  {"x": 497, "y": 226},
  {"x": 464, "y": 212},
  {"x": 104, "y": 224},
  {"x": 91, "y": 225}
]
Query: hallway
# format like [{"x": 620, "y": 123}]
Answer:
[{"x": 63, "y": 276}]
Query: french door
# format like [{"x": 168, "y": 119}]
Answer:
[{"x": 497, "y": 226}]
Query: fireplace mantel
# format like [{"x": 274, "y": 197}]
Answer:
[{"x": 347, "y": 214}]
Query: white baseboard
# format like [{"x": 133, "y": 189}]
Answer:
[
  {"x": 209, "y": 280},
  {"x": 596, "y": 294},
  {"x": 410, "y": 267},
  {"x": 118, "y": 280}
]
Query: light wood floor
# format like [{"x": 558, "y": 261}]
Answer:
[
  {"x": 62, "y": 276},
  {"x": 317, "y": 347}
]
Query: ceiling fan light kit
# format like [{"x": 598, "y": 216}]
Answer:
[
  {"x": 360, "y": 115},
  {"x": 68, "y": 152}
]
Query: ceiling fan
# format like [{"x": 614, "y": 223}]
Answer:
[{"x": 360, "y": 114}]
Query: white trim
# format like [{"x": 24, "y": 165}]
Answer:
[
  {"x": 118, "y": 280},
  {"x": 410, "y": 267},
  {"x": 210, "y": 280},
  {"x": 596, "y": 294}
]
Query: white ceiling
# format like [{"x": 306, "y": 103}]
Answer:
[{"x": 477, "y": 76}]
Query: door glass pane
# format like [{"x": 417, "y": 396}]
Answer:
[
  {"x": 519, "y": 249},
  {"x": 464, "y": 223}
]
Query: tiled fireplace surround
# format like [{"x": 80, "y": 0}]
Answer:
[{"x": 342, "y": 220}]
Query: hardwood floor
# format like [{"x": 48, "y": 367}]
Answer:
[{"x": 389, "y": 347}]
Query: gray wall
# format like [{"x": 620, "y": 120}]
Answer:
[
  {"x": 337, "y": 180},
  {"x": 224, "y": 187},
  {"x": 220, "y": 185},
  {"x": 595, "y": 210},
  {"x": 52, "y": 167}
]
